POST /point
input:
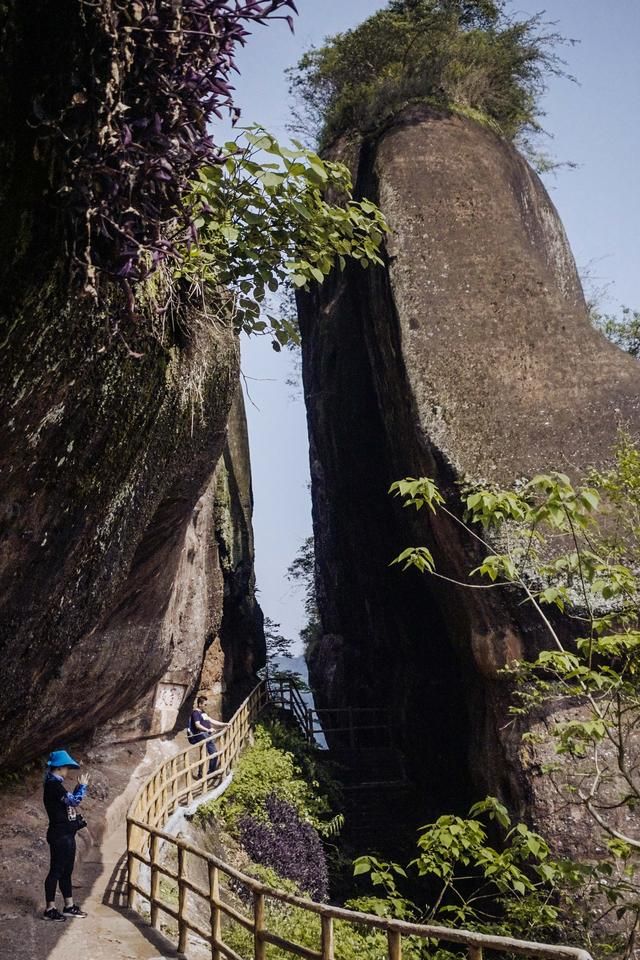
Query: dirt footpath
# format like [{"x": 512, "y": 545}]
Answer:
[{"x": 109, "y": 932}]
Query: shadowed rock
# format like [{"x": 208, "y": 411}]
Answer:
[
  {"x": 114, "y": 418},
  {"x": 107, "y": 530},
  {"x": 239, "y": 649}
]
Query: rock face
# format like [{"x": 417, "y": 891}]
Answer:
[
  {"x": 114, "y": 419},
  {"x": 107, "y": 544},
  {"x": 469, "y": 356},
  {"x": 239, "y": 649}
]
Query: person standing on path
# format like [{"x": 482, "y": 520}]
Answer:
[
  {"x": 64, "y": 823},
  {"x": 201, "y": 726}
]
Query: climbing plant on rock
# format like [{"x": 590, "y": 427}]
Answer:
[
  {"x": 124, "y": 133},
  {"x": 572, "y": 552}
]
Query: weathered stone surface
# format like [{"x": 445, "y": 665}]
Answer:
[
  {"x": 470, "y": 355},
  {"x": 107, "y": 530},
  {"x": 241, "y": 639}
]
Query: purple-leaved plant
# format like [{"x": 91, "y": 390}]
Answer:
[
  {"x": 147, "y": 78},
  {"x": 288, "y": 845}
]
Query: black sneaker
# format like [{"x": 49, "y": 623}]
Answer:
[
  {"x": 54, "y": 914},
  {"x": 73, "y": 911}
]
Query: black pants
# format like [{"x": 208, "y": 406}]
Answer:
[
  {"x": 63, "y": 855},
  {"x": 211, "y": 750}
]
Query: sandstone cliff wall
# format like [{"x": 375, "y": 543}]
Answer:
[
  {"x": 469, "y": 356},
  {"x": 107, "y": 579},
  {"x": 238, "y": 650},
  {"x": 114, "y": 419}
]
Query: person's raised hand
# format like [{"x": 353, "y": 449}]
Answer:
[{"x": 83, "y": 779}]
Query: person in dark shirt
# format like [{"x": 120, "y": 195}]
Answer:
[
  {"x": 64, "y": 823},
  {"x": 201, "y": 726}
]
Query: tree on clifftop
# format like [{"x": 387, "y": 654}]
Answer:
[{"x": 466, "y": 55}]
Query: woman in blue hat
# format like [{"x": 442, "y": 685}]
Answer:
[{"x": 64, "y": 823}]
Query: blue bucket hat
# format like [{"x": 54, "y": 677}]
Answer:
[{"x": 60, "y": 758}]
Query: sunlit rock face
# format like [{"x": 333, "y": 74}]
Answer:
[{"x": 468, "y": 356}]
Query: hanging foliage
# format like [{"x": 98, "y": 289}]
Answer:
[{"x": 125, "y": 134}]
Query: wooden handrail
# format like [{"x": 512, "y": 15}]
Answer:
[
  {"x": 173, "y": 782},
  {"x": 328, "y": 720}
]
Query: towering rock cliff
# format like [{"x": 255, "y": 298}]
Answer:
[
  {"x": 107, "y": 555},
  {"x": 114, "y": 411},
  {"x": 213, "y": 612},
  {"x": 470, "y": 356}
]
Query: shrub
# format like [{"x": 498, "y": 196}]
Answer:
[
  {"x": 455, "y": 53},
  {"x": 314, "y": 767},
  {"x": 271, "y": 878},
  {"x": 288, "y": 845},
  {"x": 295, "y": 924},
  {"x": 262, "y": 771}
]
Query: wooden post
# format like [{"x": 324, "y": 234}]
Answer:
[
  {"x": 157, "y": 808},
  {"x": 132, "y": 865},
  {"x": 216, "y": 917},
  {"x": 173, "y": 786},
  {"x": 204, "y": 768},
  {"x": 327, "y": 938},
  {"x": 394, "y": 944},
  {"x": 309, "y": 724},
  {"x": 187, "y": 763},
  {"x": 155, "y": 879},
  {"x": 165, "y": 795},
  {"x": 259, "y": 945},
  {"x": 474, "y": 952},
  {"x": 182, "y": 899}
]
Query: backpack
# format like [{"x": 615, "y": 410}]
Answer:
[{"x": 191, "y": 736}]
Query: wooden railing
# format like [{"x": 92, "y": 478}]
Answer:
[
  {"x": 353, "y": 726},
  {"x": 161, "y": 854}
]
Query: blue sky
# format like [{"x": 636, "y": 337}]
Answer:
[{"x": 594, "y": 124}]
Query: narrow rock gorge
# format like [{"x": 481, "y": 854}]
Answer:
[{"x": 468, "y": 357}]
